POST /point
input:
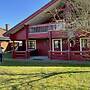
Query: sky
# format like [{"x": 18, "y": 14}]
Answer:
[{"x": 14, "y": 11}]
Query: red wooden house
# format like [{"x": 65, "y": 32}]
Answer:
[{"x": 39, "y": 35}]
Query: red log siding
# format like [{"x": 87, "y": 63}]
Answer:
[
  {"x": 85, "y": 55},
  {"x": 55, "y": 34},
  {"x": 76, "y": 56},
  {"x": 76, "y": 47},
  {"x": 73, "y": 55},
  {"x": 20, "y": 35},
  {"x": 21, "y": 54},
  {"x": 38, "y": 35},
  {"x": 43, "y": 47},
  {"x": 58, "y": 55}
]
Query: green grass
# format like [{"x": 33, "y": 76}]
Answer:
[
  {"x": 44, "y": 75},
  {"x": 44, "y": 78}
]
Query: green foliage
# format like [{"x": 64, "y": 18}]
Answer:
[
  {"x": 80, "y": 13},
  {"x": 76, "y": 13},
  {"x": 62, "y": 4}
]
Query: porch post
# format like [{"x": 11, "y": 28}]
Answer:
[
  {"x": 26, "y": 48},
  {"x": 50, "y": 44},
  {"x": 26, "y": 45},
  {"x": 68, "y": 49},
  {"x": 61, "y": 45},
  {"x": 27, "y": 29},
  {"x": 80, "y": 45},
  {"x": 13, "y": 44}
]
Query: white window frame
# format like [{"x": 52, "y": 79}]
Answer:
[
  {"x": 53, "y": 44},
  {"x": 81, "y": 43},
  {"x": 34, "y": 41}
]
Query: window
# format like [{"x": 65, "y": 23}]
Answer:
[
  {"x": 20, "y": 43},
  {"x": 57, "y": 44},
  {"x": 20, "y": 46},
  {"x": 84, "y": 44},
  {"x": 32, "y": 44}
]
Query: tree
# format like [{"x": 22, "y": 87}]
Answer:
[{"x": 76, "y": 13}]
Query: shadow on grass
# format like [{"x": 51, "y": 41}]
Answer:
[
  {"x": 46, "y": 75},
  {"x": 40, "y": 76}
]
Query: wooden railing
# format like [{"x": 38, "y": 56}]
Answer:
[
  {"x": 46, "y": 27},
  {"x": 71, "y": 55}
]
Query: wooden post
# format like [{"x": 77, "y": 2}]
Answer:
[
  {"x": 27, "y": 29},
  {"x": 68, "y": 49},
  {"x": 61, "y": 46},
  {"x": 80, "y": 45},
  {"x": 26, "y": 48},
  {"x": 13, "y": 44},
  {"x": 50, "y": 44},
  {"x": 26, "y": 45}
]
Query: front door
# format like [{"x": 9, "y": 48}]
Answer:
[{"x": 43, "y": 47}]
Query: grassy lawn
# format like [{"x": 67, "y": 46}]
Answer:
[{"x": 44, "y": 75}]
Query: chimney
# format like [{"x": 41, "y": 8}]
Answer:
[{"x": 7, "y": 27}]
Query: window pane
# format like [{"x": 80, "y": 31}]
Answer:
[
  {"x": 88, "y": 43},
  {"x": 85, "y": 44},
  {"x": 57, "y": 45},
  {"x": 31, "y": 44}
]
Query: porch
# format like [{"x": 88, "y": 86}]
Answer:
[
  {"x": 74, "y": 49},
  {"x": 60, "y": 49},
  {"x": 30, "y": 48}
]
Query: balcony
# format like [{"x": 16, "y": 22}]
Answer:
[{"x": 47, "y": 27}]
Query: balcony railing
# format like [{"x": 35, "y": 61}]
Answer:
[{"x": 46, "y": 27}]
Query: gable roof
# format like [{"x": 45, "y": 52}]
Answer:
[{"x": 33, "y": 17}]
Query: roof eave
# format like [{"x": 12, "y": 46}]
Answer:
[{"x": 22, "y": 23}]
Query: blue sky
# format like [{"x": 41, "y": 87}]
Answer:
[{"x": 14, "y": 11}]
